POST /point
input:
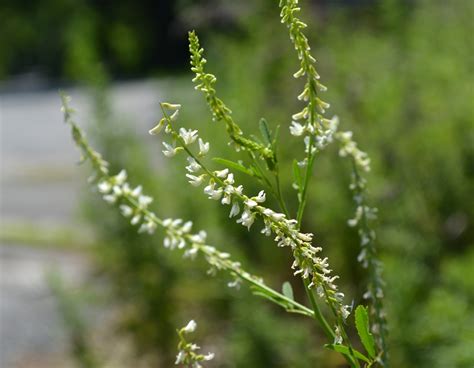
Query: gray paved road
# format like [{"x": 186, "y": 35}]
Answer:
[{"x": 38, "y": 177}]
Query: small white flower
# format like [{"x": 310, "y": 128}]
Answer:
[
  {"x": 239, "y": 190},
  {"x": 136, "y": 192},
  {"x": 180, "y": 357},
  {"x": 337, "y": 336},
  {"x": 209, "y": 356},
  {"x": 190, "y": 327},
  {"x": 135, "y": 219},
  {"x": 273, "y": 215},
  {"x": 187, "y": 227},
  {"x": 148, "y": 227},
  {"x": 226, "y": 199},
  {"x": 267, "y": 231},
  {"x": 302, "y": 163},
  {"x": 213, "y": 193},
  {"x": 321, "y": 87},
  {"x": 277, "y": 216},
  {"x": 305, "y": 237},
  {"x": 322, "y": 106},
  {"x": 194, "y": 347},
  {"x": 174, "y": 116},
  {"x": 203, "y": 147},
  {"x": 234, "y": 211},
  {"x": 222, "y": 173},
  {"x": 158, "y": 128},
  {"x": 303, "y": 114},
  {"x": 260, "y": 197},
  {"x": 296, "y": 129},
  {"x": 195, "y": 181},
  {"x": 144, "y": 201},
  {"x": 199, "y": 238},
  {"x": 121, "y": 177},
  {"x": 345, "y": 311},
  {"x": 127, "y": 211},
  {"x": 170, "y": 150},
  {"x": 247, "y": 218},
  {"x": 176, "y": 222},
  {"x": 234, "y": 283},
  {"x": 190, "y": 252},
  {"x": 126, "y": 189},
  {"x": 304, "y": 96},
  {"x": 230, "y": 179},
  {"x": 104, "y": 186},
  {"x": 299, "y": 73},
  {"x": 193, "y": 165},
  {"x": 189, "y": 136},
  {"x": 117, "y": 190},
  {"x": 250, "y": 203}
]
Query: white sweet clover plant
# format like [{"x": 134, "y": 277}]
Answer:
[
  {"x": 187, "y": 351},
  {"x": 316, "y": 131}
]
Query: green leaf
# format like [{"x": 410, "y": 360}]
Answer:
[
  {"x": 233, "y": 165},
  {"x": 265, "y": 131},
  {"x": 345, "y": 351},
  {"x": 362, "y": 325},
  {"x": 287, "y": 290},
  {"x": 262, "y": 293}
]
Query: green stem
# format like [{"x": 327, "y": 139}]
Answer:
[
  {"x": 317, "y": 312},
  {"x": 303, "y": 193},
  {"x": 281, "y": 201},
  {"x": 305, "y": 310}
]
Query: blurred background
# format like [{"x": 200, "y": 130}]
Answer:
[{"x": 80, "y": 288}]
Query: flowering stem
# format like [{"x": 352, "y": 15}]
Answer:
[{"x": 375, "y": 281}]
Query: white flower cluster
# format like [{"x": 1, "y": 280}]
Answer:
[
  {"x": 135, "y": 204},
  {"x": 322, "y": 130},
  {"x": 187, "y": 354},
  {"x": 349, "y": 149},
  {"x": 363, "y": 217},
  {"x": 310, "y": 120}
]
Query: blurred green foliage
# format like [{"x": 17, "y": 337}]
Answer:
[
  {"x": 130, "y": 37},
  {"x": 399, "y": 75}
]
